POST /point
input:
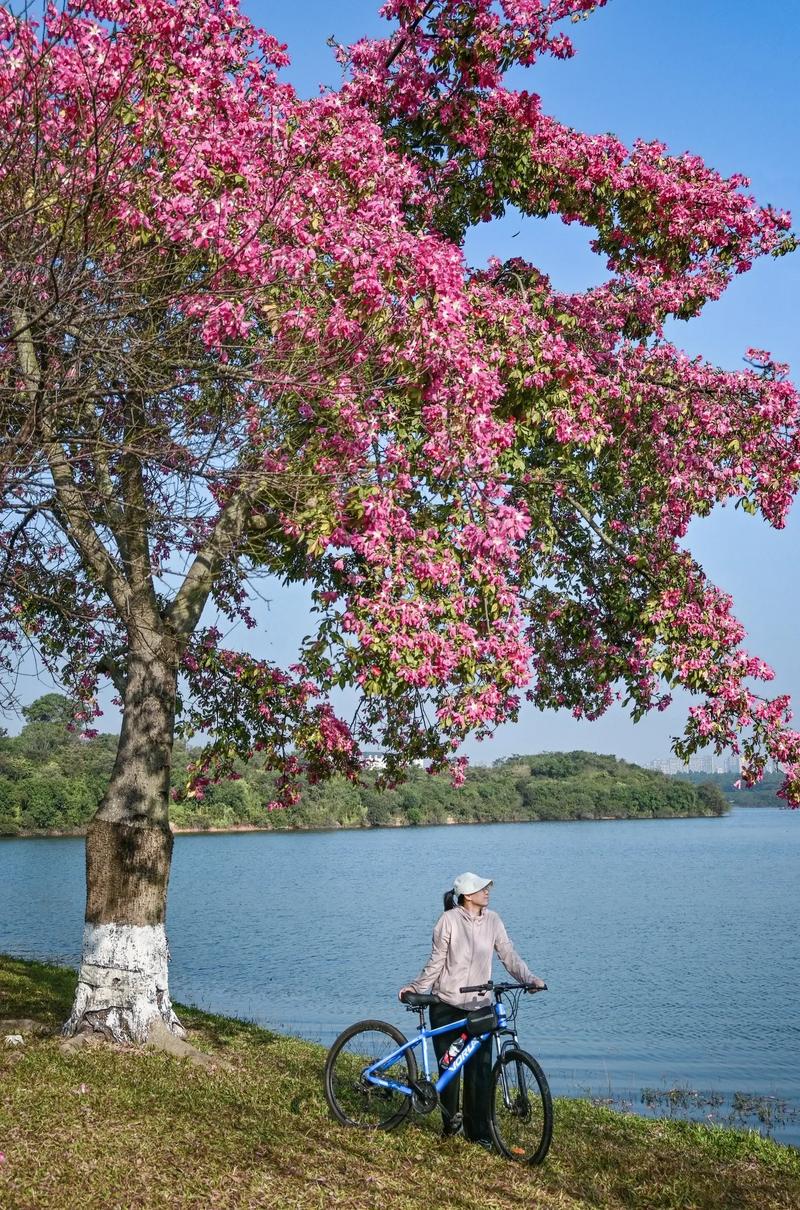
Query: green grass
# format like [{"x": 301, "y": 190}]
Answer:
[{"x": 106, "y": 1127}]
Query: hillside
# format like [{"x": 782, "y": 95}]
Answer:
[
  {"x": 764, "y": 794},
  {"x": 52, "y": 780},
  {"x": 113, "y": 1127}
]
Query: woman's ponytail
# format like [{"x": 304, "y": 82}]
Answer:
[{"x": 450, "y": 900}]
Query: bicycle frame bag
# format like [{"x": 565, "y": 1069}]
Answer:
[{"x": 481, "y": 1021}]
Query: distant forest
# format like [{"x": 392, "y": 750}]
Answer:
[
  {"x": 765, "y": 794},
  {"x": 52, "y": 780}
]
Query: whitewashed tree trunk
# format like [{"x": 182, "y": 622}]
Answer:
[{"x": 122, "y": 985}]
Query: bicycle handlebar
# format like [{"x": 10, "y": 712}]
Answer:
[{"x": 503, "y": 987}]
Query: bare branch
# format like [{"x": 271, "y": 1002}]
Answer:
[
  {"x": 184, "y": 613},
  {"x": 76, "y": 520}
]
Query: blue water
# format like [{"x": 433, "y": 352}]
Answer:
[{"x": 669, "y": 946}]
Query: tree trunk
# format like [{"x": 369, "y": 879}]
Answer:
[{"x": 123, "y": 987}]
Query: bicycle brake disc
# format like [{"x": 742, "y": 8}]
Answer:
[{"x": 424, "y": 1097}]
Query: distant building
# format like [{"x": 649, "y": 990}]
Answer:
[
  {"x": 375, "y": 759},
  {"x": 670, "y": 766},
  {"x": 702, "y": 762}
]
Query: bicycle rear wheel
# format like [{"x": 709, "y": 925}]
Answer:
[
  {"x": 353, "y": 1100},
  {"x": 522, "y": 1109}
]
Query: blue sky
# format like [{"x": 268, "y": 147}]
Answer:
[{"x": 717, "y": 77}]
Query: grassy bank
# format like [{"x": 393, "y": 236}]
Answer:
[{"x": 130, "y": 1129}]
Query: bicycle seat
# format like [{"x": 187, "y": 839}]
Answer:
[{"x": 419, "y": 999}]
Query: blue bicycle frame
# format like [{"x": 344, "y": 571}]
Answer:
[{"x": 372, "y": 1073}]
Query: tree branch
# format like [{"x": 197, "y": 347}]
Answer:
[
  {"x": 184, "y": 613},
  {"x": 44, "y": 506},
  {"x": 133, "y": 526},
  {"x": 594, "y": 527},
  {"x": 114, "y": 672},
  {"x": 72, "y": 511}
]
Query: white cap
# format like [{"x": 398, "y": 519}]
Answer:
[{"x": 470, "y": 884}]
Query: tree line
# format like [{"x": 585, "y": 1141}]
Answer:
[
  {"x": 763, "y": 794},
  {"x": 52, "y": 779}
]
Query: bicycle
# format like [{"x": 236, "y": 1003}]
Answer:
[{"x": 372, "y": 1078}]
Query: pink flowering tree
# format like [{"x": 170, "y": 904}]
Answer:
[{"x": 238, "y": 337}]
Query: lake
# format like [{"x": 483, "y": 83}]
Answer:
[{"x": 669, "y": 946}]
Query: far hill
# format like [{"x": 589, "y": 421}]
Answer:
[
  {"x": 51, "y": 780},
  {"x": 763, "y": 794}
]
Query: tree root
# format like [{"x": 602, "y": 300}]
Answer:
[
  {"x": 24, "y": 1025},
  {"x": 160, "y": 1038},
  {"x": 79, "y": 1041}
]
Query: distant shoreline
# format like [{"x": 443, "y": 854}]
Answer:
[
  {"x": 59, "y": 796},
  {"x": 232, "y": 829}
]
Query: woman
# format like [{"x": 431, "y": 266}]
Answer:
[{"x": 465, "y": 937}]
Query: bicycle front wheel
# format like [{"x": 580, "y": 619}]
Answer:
[
  {"x": 354, "y": 1100},
  {"x": 522, "y": 1109}
]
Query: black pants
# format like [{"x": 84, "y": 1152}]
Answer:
[{"x": 477, "y": 1073}]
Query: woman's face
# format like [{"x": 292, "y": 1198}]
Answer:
[{"x": 478, "y": 899}]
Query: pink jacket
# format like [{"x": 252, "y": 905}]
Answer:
[{"x": 463, "y": 946}]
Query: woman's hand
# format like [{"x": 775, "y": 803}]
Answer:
[
  {"x": 537, "y": 985},
  {"x": 403, "y": 991}
]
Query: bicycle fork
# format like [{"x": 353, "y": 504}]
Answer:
[{"x": 521, "y": 1105}]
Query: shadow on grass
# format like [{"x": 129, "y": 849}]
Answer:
[
  {"x": 224, "y": 1032},
  {"x": 37, "y": 990},
  {"x": 44, "y": 991}
]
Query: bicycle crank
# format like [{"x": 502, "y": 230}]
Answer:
[{"x": 424, "y": 1096}]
